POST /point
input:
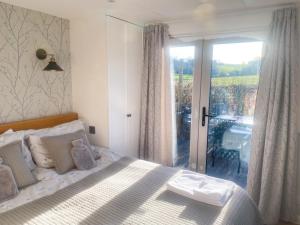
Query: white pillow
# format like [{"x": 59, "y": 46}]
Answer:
[
  {"x": 9, "y": 131},
  {"x": 64, "y": 128}
]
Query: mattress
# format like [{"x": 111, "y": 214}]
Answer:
[{"x": 130, "y": 191}]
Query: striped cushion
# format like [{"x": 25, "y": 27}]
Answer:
[{"x": 12, "y": 156}]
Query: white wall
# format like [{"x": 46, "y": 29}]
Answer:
[{"x": 89, "y": 73}]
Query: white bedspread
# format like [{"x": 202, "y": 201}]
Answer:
[{"x": 50, "y": 182}]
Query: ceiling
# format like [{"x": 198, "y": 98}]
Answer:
[
  {"x": 145, "y": 11},
  {"x": 166, "y": 10}
]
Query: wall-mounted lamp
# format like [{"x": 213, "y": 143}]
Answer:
[{"x": 42, "y": 54}]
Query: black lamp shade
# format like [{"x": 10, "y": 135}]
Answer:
[{"x": 53, "y": 66}]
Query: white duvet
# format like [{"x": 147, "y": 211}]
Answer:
[{"x": 50, "y": 182}]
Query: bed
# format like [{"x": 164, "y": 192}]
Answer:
[{"x": 120, "y": 190}]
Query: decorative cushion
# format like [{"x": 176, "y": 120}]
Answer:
[
  {"x": 18, "y": 136},
  {"x": 82, "y": 155},
  {"x": 9, "y": 188},
  {"x": 60, "y": 149},
  {"x": 96, "y": 153},
  {"x": 71, "y": 127},
  {"x": 39, "y": 152},
  {"x": 12, "y": 157}
]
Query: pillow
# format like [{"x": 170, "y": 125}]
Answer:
[
  {"x": 72, "y": 127},
  {"x": 9, "y": 131},
  {"x": 39, "y": 152},
  {"x": 69, "y": 127},
  {"x": 12, "y": 157},
  {"x": 60, "y": 147},
  {"x": 18, "y": 136},
  {"x": 82, "y": 155},
  {"x": 9, "y": 188},
  {"x": 96, "y": 153},
  {"x": 64, "y": 128}
]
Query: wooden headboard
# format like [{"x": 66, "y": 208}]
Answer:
[{"x": 40, "y": 123}]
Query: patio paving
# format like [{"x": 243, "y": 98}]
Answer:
[{"x": 228, "y": 170}]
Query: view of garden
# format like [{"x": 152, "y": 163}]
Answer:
[{"x": 232, "y": 103}]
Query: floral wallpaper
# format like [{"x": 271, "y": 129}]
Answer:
[{"x": 26, "y": 91}]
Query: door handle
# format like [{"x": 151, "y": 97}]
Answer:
[
  {"x": 128, "y": 115},
  {"x": 204, "y": 115}
]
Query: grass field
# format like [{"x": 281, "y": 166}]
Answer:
[{"x": 249, "y": 80}]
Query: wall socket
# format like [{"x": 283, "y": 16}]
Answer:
[{"x": 92, "y": 129}]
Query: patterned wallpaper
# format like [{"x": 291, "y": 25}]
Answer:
[{"x": 26, "y": 91}]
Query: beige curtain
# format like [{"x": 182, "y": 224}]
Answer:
[
  {"x": 272, "y": 178},
  {"x": 157, "y": 133}
]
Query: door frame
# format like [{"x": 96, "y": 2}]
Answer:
[{"x": 207, "y": 55}]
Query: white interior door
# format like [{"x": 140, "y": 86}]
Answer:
[
  {"x": 116, "y": 83},
  {"x": 124, "y": 75},
  {"x": 134, "y": 62}
]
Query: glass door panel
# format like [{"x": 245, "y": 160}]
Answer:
[
  {"x": 182, "y": 67},
  {"x": 228, "y": 107}
]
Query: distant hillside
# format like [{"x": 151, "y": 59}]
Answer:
[{"x": 219, "y": 69}]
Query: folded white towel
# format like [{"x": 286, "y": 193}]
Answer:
[{"x": 202, "y": 188}]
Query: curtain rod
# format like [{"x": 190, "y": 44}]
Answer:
[{"x": 127, "y": 21}]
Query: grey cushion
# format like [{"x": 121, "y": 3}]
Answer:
[
  {"x": 18, "y": 136},
  {"x": 60, "y": 149},
  {"x": 82, "y": 155},
  {"x": 9, "y": 188},
  {"x": 13, "y": 157},
  {"x": 96, "y": 153}
]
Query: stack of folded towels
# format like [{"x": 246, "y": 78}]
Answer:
[{"x": 202, "y": 188}]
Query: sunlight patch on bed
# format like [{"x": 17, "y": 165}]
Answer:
[{"x": 90, "y": 200}]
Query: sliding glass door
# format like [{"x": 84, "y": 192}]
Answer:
[{"x": 216, "y": 83}]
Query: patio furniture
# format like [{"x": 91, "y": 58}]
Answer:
[
  {"x": 186, "y": 121},
  {"x": 238, "y": 138},
  {"x": 228, "y": 154},
  {"x": 215, "y": 136},
  {"x": 230, "y": 141}
]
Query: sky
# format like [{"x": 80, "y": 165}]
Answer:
[
  {"x": 182, "y": 52},
  {"x": 234, "y": 53}
]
